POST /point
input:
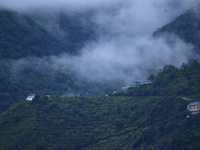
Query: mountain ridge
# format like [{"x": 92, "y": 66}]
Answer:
[
  {"x": 21, "y": 36},
  {"x": 150, "y": 117},
  {"x": 186, "y": 26}
]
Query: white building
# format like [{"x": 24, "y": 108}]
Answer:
[
  {"x": 30, "y": 97},
  {"x": 194, "y": 106}
]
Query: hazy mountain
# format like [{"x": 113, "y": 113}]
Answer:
[
  {"x": 23, "y": 35},
  {"x": 80, "y": 53},
  {"x": 186, "y": 26},
  {"x": 108, "y": 55},
  {"x": 35, "y": 36}
]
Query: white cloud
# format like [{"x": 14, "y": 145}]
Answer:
[
  {"x": 124, "y": 58},
  {"x": 124, "y": 48}
]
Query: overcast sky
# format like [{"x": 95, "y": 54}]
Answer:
[
  {"x": 85, "y": 4},
  {"x": 125, "y": 40}
]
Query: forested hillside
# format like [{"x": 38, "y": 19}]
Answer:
[
  {"x": 32, "y": 35},
  {"x": 82, "y": 115},
  {"x": 99, "y": 123},
  {"x": 17, "y": 84},
  {"x": 171, "y": 81},
  {"x": 25, "y": 36},
  {"x": 149, "y": 117},
  {"x": 21, "y": 36},
  {"x": 186, "y": 26}
]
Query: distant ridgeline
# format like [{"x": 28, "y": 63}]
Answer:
[
  {"x": 152, "y": 117},
  {"x": 136, "y": 84},
  {"x": 22, "y": 36},
  {"x": 186, "y": 26},
  {"x": 25, "y": 36}
]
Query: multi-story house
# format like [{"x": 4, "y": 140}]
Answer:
[{"x": 194, "y": 106}]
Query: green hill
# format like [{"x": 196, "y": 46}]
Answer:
[
  {"x": 99, "y": 123},
  {"x": 171, "y": 81},
  {"x": 16, "y": 85},
  {"x": 23, "y": 36},
  {"x": 186, "y": 26},
  {"x": 34, "y": 35},
  {"x": 149, "y": 117},
  {"x": 146, "y": 117}
]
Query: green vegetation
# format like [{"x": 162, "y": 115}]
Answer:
[
  {"x": 171, "y": 81},
  {"x": 17, "y": 84},
  {"x": 27, "y": 36},
  {"x": 149, "y": 117},
  {"x": 186, "y": 26},
  {"x": 21, "y": 36},
  {"x": 85, "y": 122},
  {"x": 146, "y": 117},
  {"x": 24, "y": 36}
]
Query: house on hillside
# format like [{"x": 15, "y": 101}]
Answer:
[
  {"x": 145, "y": 82},
  {"x": 30, "y": 97},
  {"x": 136, "y": 84},
  {"x": 194, "y": 106}
]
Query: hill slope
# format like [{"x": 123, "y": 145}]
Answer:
[
  {"x": 171, "y": 81},
  {"x": 24, "y": 36},
  {"x": 94, "y": 122},
  {"x": 21, "y": 36},
  {"x": 149, "y": 117},
  {"x": 186, "y": 26}
]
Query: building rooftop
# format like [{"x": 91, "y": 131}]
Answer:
[{"x": 193, "y": 100}]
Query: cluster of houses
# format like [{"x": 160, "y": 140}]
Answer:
[{"x": 136, "y": 84}]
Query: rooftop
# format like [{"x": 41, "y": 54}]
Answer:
[{"x": 193, "y": 100}]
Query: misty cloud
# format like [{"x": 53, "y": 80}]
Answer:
[
  {"x": 120, "y": 58},
  {"x": 124, "y": 58},
  {"x": 124, "y": 48}
]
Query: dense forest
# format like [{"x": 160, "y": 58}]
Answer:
[
  {"x": 17, "y": 84},
  {"x": 23, "y": 36},
  {"x": 148, "y": 117},
  {"x": 171, "y": 81},
  {"x": 186, "y": 26},
  {"x": 27, "y": 36}
]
